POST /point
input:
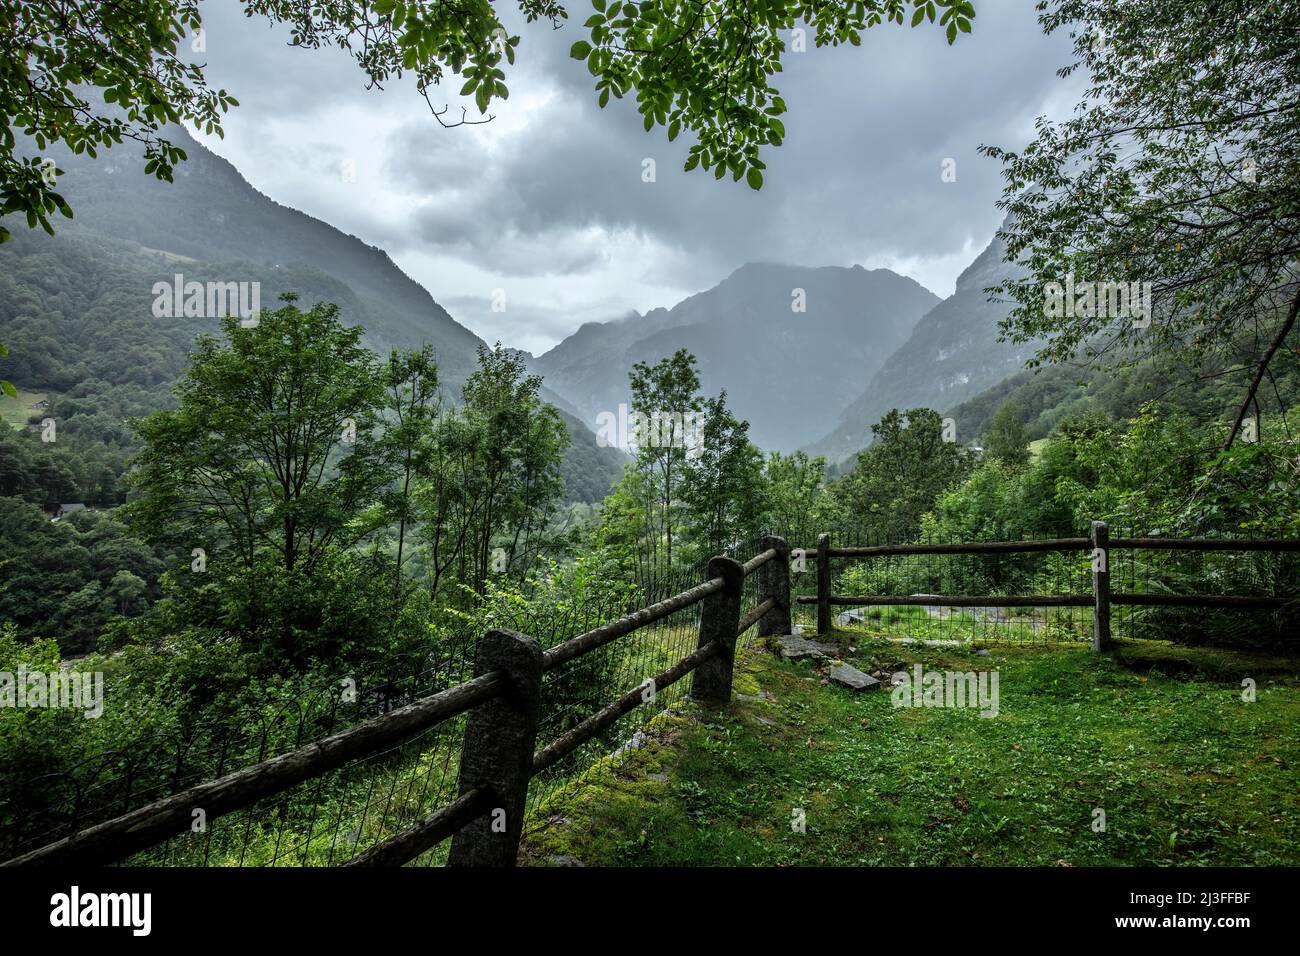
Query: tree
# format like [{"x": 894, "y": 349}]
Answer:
[
  {"x": 538, "y": 488},
  {"x": 626, "y": 531},
  {"x": 518, "y": 445},
  {"x": 413, "y": 405},
  {"x": 900, "y": 476},
  {"x": 273, "y": 445},
  {"x": 1006, "y": 439},
  {"x": 126, "y": 591},
  {"x": 6, "y": 387},
  {"x": 703, "y": 66},
  {"x": 707, "y": 67},
  {"x": 723, "y": 486},
  {"x": 795, "y": 496},
  {"x": 1178, "y": 169},
  {"x": 265, "y": 478},
  {"x": 492, "y": 477},
  {"x": 665, "y": 396}
]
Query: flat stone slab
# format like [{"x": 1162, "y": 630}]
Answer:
[
  {"x": 852, "y": 678},
  {"x": 797, "y": 648}
]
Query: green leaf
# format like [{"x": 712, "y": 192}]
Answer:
[
  {"x": 754, "y": 178},
  {"x": 580, "y": 50},
  {"x": 9, "y": 389}
]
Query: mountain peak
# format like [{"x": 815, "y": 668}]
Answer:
[{"x": 825, "y": 325}]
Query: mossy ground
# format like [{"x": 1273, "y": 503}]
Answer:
[{"x": 1158, "y": 737}]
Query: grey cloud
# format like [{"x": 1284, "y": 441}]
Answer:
[
  {"x": 552, "y": 190},
  {"x": 858, "y": 176}
]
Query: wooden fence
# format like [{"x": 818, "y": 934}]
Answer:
[
  {"x": 497, "y": 757},
  {"x": 1101, "y": 598}
]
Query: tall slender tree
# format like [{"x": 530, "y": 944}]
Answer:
[{"x": 666, "y": 397}]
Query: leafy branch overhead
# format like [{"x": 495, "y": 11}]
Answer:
[
  {"x": 706, "y": 65},
  {"x": 1177, "y": 168},
  {"x": 699, "y": 65}
]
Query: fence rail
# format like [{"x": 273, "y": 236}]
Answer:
[
  {"x": 1100, "y": 598},
  {"x": 497, "y": 754}
]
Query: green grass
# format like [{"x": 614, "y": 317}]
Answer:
[
  {"x": 960, "y": 624},
  {"x": 14, "y": 412},
  {"x": 1157, "y": 737}
]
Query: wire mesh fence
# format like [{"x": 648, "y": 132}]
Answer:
[
  {"x": 580, "y": 688},
  {"x": 1216, "y": 572},
  {"x": 329, "y": 819},
  {"x": 996, "y": 575},
  {"x": 48, "y": 804}
]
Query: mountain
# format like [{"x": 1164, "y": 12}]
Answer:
[
  {"x": 784, "y": 370},
  {"x": 212, "y": 214},
  {"x": 75, "y": 309},
  {"x": 952, "y": 354}
]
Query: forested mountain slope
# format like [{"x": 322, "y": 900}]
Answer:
[{"x": 76, "y": 309}]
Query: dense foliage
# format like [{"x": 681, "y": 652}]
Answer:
[{"x": 1179, "y": 170}]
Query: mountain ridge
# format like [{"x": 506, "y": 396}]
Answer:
[
  {"x": 952, "y": 354},
  {"x": 780, "y": 367},
  {"x": 212, "y": 223}
]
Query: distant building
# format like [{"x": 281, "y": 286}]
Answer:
[{"x": 63, "y": 510}]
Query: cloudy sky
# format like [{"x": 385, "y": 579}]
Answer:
[{"x": 547, "y": 202}]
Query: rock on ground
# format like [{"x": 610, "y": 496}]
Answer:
[
  {"x": 796, "y": 648},
  {"x": 852, "y": 678}
]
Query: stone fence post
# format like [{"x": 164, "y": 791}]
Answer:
[
  {"x": 774, "y": 583},
  {"x": 719, "y": 619},
  {"x": 497, "y": 753}
]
